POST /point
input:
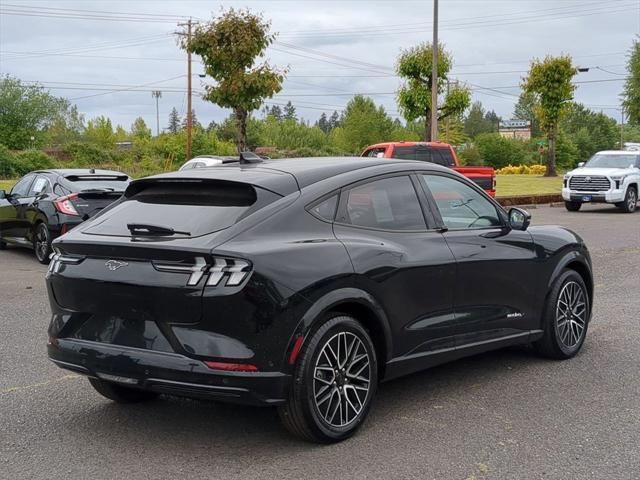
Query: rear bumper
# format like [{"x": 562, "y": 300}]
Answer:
[{"x": 168, "y": 373}]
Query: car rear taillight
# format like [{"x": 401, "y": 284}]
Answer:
[
  {"x": 225, "y": 272},
  {"x": 65, "y": 205}
]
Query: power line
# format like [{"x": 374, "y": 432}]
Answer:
[{"x": 95, "y": 11}]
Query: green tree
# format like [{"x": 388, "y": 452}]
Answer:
[
  {"x": 525, "y": 110},
  {"x": 334, "y": 120},
  {"x": 67, "y": 127},
  {"x": 476, "y": 121},
  {"x": 229, "y": 47},
  {"x": 499, "y": 152},
  {"x": 195, "y": 123},
  {"x": 289, "y": 111},
  {"x": 549, "y": 81},
  {"x": 631, "y": 93},
  {"x": 323, "y": 123},
  {"x": 174, "y": 121},
  {"x": 590, "y": 131},
  {"x": 363, "y": 124},
  {"x": 139, "y": 128},
  {"x": 275, "y": 112},
  {"x": 414, "y": 96},
  {"x": 100, "y": 131},
  {"x": 26, "y": 111}
]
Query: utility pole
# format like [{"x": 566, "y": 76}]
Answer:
[
  {"x": 157, "y": 94},
  {"x": 434, "y": 76},
  {"x": 189, "y": 25}
]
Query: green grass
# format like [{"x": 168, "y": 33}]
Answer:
[
  {"x": 508, "y": 185},
  {"x": 6, "y": 184}
]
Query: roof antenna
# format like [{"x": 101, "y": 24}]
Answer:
[{"x": 249, "y": 158}]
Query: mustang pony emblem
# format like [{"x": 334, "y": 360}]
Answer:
[{"x": 113, "y": 265}]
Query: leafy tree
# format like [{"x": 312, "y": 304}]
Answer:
[
  {"x": 100, "y": 131},
  {"x": 549, "y": 81},
  {"x": 631, "y": 93},
  {"x": 229, "y": 47},
  {"x": 289, "y": 111},
  {"x": 174, "y": 121},
  {"x": 139, "y": 128},
  {"x": 323, "y": 124},
  {"x": 590, "y": 131},
  {"x": 499, "y": 152},
  {"x": 26, "y": 111},
  {"x": 363, "y": 125},
  {"x": 414, "y": 97},
  {"x": 67, "y": 127},
  {"x": 566, "y": 152}
]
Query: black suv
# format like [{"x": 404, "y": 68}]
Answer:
[
  {"x": 302, "y": 283},
  {"x": 45, "y": 204}
]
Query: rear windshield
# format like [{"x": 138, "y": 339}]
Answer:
[
  {"x": 424, "y": 153},
  {"x": 114, "y": 183},
  {"x": 190, "y": 208}
]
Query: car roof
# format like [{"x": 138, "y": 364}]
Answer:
[
  {"x": 288, "y": 175},
  {"x": 619, "y": 152},
  {"x": 409, "y": 144}
]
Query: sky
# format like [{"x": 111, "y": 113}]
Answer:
[{"x": 108, "y": 56}]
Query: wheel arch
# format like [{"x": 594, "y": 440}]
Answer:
[
  {"x": 577, "y": 262},
  {"x": 353, "y": 302}
]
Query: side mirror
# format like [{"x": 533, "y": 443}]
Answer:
[
  {"x": 3, "y": 194},
  {"x": 580, "y": 164},
  {"x": 519, "y": 219}
]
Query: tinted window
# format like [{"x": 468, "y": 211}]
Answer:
[
  {"x": 187, "y": 166},
  {"x": 443, "y": 156},
  {"x": 21, "y": 189},
  {"x": 461, "y": 206},
  {"x": 389, "y": 204},
  {"x": 41, "y": 185},
  {"x": 404, "y": 153},
  {"x": 113, "y": 183},
  {"x": 422, "y": 153},
  {"x": 194, "y": 207},
  {"x": 326, "y": 209},
  {"x": 374, "y": 152}
]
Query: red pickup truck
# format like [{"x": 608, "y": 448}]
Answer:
[{"x": 440, "y": 153}]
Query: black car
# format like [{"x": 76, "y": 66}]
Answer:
[
  {"x": 302, "y": 283},
  {"x": 46, "y": 204}
]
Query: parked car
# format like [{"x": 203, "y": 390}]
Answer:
[
  {"x": 47, "y": 203},
  {"x": 610, "y": 176},
  {"x": 302, "y": 283},
  {"x": 435, "y": 152},
  {"x": 207, "y": 161}
]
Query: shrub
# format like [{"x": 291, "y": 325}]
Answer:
[
  {"x": 498, "y": 151},
  {"x": 522, "y": 170},
  {"x": 469, "y": 155},
  {"x": 29, "y": 160},
  {"x": 86, "y": 155},
  {"x": 6, "y": 163}
]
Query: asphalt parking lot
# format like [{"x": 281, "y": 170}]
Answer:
[{"x": 504, "y": 415}]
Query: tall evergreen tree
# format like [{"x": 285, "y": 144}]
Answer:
[
  {"x": 334, "y": 120},
  {"x": 275, "y": 112},
  {"x": 323, "y": 124},
  {"x": 174, "y": 121},
  {"x": 289, "y": 111}
]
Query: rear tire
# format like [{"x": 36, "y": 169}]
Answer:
[
  {"x": 42, "y": 243},
  {"x": 334, "y": 383},
  {"x": 121, "y": 394},
  {"x": 628, "y": 205},
  {"x": 566, "y": 317},
  {"x": 573, "y": 206}
]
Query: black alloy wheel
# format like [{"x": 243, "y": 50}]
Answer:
[{"x": 42, "y": 243}]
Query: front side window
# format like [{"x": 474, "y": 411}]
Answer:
[
  {"x": 461, "y": 206},
  {"x": 21, "y": 189},
  {"x": 387, "y": 204}
]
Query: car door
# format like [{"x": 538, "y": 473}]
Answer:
[
  {"x": 406, "y": 265},
  {"x": 494, "y": 289},
  {"x": 38, "y": 193},
  {"x": 13, "y": 209}
]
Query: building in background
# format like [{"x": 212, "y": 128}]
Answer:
[{"x": 520, "y": 129}]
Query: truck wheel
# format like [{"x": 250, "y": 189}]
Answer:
[
  {"x": 334, "y": 383},
  {"x": 573, "y": 206},
  {"x": 630, "y": 200},
  {"x": 121, "y": 394}
]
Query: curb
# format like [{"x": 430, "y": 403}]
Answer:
[{"x": 547, "y": 198}]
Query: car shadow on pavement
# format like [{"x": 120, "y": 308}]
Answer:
[{"x": 191, "y": 424}]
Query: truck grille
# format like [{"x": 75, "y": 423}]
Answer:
[{"x": 589, "y": 183}]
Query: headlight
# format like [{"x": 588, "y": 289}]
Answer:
[{"x": 618, "y": 178}]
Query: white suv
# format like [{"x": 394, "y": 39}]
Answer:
[{"x": 611, "y": 176}]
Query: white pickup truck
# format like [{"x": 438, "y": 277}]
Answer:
[{"x": 611, "y": 176}]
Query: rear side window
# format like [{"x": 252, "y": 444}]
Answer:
[
  {"x": 326, "y": 209},
  {"x": 109, "y": 183},
  {"x": 41, "y": 185},
  {"x": 192, "y": 208},
  {"x": 387, "y": 204}
]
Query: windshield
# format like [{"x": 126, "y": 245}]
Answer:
[{"x": 603, "y": 160}]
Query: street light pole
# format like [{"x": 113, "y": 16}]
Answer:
[
  {"x": 157, "y": 94},
  {"x": 434, "y": 76}
]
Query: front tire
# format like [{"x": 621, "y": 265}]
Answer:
[
  {"x": 566, "y": 317},
  {"x": 335, "y": 381},
  {"x": 120, "y": 394},
  {"x": 42, "y": 243},
  {"x": 630, "y": 201},
  {"x": 573, "y": 206}
]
